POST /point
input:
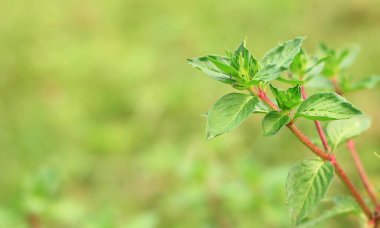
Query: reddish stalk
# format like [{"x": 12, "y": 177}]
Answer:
[
  {"x": 318, "y": 125},
  {"x": 335, "y": 83},
  {"x": 319, "y": 152},
  {"x": 363, "y": 174},
  {"x": 306, "y": 141},
  {"x": 359, "y": 165},
  {"x": 262, "y": 95}
]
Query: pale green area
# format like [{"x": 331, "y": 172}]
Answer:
[
  {"x": 341, "y": 130},
  {"x": 306, "y": 185},
  {"x": 101, "y": 117}
]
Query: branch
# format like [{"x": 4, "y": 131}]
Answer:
[
  {"x": 319, "y": 152},
  {"x": 363, "y": 174},
  {"x": 318, "y": 125},
  {"x": 359, "y": 165}
]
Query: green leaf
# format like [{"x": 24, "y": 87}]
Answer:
[
  {"x": 299, "y": 63},
  {"x": 338, "y": 61},
  {"x": 341, "y": 130},
  {"x": 348, "y": 56},
  {"x": 243, "y": 61},
  {"x": 290, "y": 81},
  {"x": 287, "y": 99},
  {"x": 278, "y": 59},
  {"x": 261, "y": 107},
  {"x": 319, "y": 83},
  {"x": 367, "y": 83},
  {"x": 327, "y": 106},
  {"x": 343, "y": 205},
  {"x": 208, "y": 67},
  {"x": 223, "y": 65},
  {"x": 283, "y": 54},
  {"x": 274, "y": 121},
  {"x": 229, "y": 112},
  {"x": 306, "y": 185},
  {"x": 269, "y": 73}
]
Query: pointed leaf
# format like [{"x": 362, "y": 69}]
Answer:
[
  {"x": 283, "y": 54},
  {"x": 299, "y": 63},
  {"x": 327, "y": 106},
  {"x": 287, "y": 99},
  {"x": 269, "y": 73},
  {"x": 273, "y": 122},
  {"x": 341, "y": 130},
  {"x": 306, "y": 185},
  {"x": 343, "y": 205},
  {"x": 229, "y": 112},
  {"x": 208, "y": 67},
  {"x": 244, "y": 62},
  {"x": 367, "y": 83},
  {"x": 279, "y": 59},
  {"x": 223, "y": 65},
  {"x": 347, "y": 57},
  {"x": 261, "y": 107}
]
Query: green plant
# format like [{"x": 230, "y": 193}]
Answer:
[{"x": 309, "y": 179}]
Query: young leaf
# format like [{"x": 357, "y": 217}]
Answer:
[
  {"x": 327, "y": 106},
  {"x": 223, "y": 65},
  {"x": 283, "y": 54},
  {"x": 269, "y": 73},
  {"x": 261, "y": 107},
  {"x": 278, "y": 59},
  {"x": 343, "y": 205},
  {"x": 208, "y": 67},
  {"x": 338, "y": 60},
  {"x": 306, "y": 185},
  {"x": 244, "y": 62},
  {"x": 319, "y": 83},
  {"x": 367, "y": 83},
  {"x": 287, "y": 99},
  {"x": 341, "y": 130},
  {"x": 347, "y": 57},
  {"x": 229, "y": 112},
  {"x": 299, "y": 63},
  {"x": 273, "y": 122}
]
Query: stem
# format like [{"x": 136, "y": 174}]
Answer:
[
  {"x": 363, "y": 174},
  {"x": 335, "y": 83},
  {"x": 306, "y": 141},
  {"x": 359, "y": 165},
  {"x": 319, "y": 152},
  {"x": 262, "y": 95},
  {"x": 351, "y": 187},
  {"x": 318, "y": 125}
]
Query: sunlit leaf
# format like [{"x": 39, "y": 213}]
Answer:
[
  {"x": 287, "y": 99},
  {"x": 306, "y": 185},
  {"x": 208, "y": 67},
  {"x": 343, "y": 205},
  {"x": 327, "y": 106},
  {"x": 274, "y": 121},
  {"x": 229, "y": 112},
  {"x": 341, "y": 130}
]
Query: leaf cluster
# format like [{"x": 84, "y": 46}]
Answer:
[{"x": 289, "y": 64}]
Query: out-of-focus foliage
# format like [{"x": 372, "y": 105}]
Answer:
[{"x": 100, "y": 115}]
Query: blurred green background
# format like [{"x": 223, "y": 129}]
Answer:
[{"x": 100, "y": 115}]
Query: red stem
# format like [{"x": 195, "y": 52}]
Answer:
[
  {"x": 359, "y": 166},
  {"x": 318, "y": 125},
  {"x": 319, "y": 152},
  {"x": 354, "y": 191},
  {"x": 306, "y": 141},
  {"x": 363, "y": 174},
  {"x": 335, "y": 83},
  {"x": 262, "y": 95}
]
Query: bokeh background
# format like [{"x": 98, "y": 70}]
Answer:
[{"x": 100, "y": 115}]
